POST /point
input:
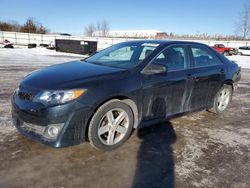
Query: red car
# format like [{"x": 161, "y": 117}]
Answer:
[{"x": 224, "y": 50}]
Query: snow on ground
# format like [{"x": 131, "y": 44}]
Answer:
[
  {"x": 35, "y": 57},
  {"x": 243, "y": 61}
]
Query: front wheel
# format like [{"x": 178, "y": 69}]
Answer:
[
  {"x": 111, "y": 125},
  {"x": 226, "y": 53},
  {"x": 222, "y": 99}
]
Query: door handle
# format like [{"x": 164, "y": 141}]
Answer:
[
  {"x": 190, "y": 77},
  {"x": 222, "y": 71}
]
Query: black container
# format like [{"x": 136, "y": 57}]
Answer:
[{"x": 76, "y": 46}]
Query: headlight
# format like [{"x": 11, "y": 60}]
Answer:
[{"x": 58, "y": 97}]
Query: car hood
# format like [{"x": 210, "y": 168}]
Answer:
[{"x": 66, "y": 75}]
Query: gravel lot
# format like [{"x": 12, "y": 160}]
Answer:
[{"x": 196, "y": 150}]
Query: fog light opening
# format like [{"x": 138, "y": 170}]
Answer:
[{"x": 53, "y": 131}]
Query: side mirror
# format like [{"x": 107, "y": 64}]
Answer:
[{"x": 154, "y": 69}]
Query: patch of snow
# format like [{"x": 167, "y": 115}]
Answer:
[
  {"x": 35, "y": 57},
  {"x": 230, "y": 138},
  {"x": 191, "y": 153}
]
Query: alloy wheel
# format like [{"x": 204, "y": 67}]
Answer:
[
  {"x": 113, "y": 126},
  {"x": 223, "y": 99}
]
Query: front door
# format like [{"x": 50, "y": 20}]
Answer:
[{"x": 165, "y": 94}]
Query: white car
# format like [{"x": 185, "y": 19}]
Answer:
[{"x": 244, "y": 50}]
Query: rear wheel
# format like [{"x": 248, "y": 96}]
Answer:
[
  {"x": 222, "y": 99},
  {"x": 111, "y": 125}
]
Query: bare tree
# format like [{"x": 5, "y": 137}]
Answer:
[
  {"x": 243, "y": 25},
  {"x": 99, "y": 28},
  {"x": 104, "y": 28},
  {"x": 89, "y": 30},
  {"x": 15, "y": 26},
  {"x": 9, "y": 26},
  {"x": 42, "y": 30},
  {"x": 29, "y": 26},
  {"x": 4, "y": 26}
]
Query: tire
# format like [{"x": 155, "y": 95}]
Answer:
[
  {"x": 44, "y": 45},
  {"x": 104, "y": 132},
  {"x": 222, "y": 99},
  {"x": 32, "y": 45},
  {"x": 226, "y": 53}
]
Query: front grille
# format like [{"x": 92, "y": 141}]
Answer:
[{"x": 25, "y": 95}]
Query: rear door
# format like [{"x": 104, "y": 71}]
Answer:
[
  {"x": 166, "y": 94},
  {"x": 207, "y": 77}
]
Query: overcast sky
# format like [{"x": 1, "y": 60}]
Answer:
[{"x": 178, "y": 16}]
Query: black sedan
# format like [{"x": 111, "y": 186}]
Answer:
[{"x": 102, "y": 98}]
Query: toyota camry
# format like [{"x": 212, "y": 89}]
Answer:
[{"x": 101, "y": 99}]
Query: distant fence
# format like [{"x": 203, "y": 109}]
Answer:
[
  {"x": 29, "y": 38},
  {"x": 18, "y": 38}
]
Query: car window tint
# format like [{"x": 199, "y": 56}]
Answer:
[
  {"x": 175, "y": 58},
  {"x": 204, "y": 58},
  {"x": 243, "y": 48},
  {"x": 146, "y": 51},
  {"x": 121, "y": 54}
]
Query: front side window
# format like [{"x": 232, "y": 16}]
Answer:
[
  {"x": 124, "y": 55},
  {"x": 174, "y": 58},
  {"x": 147, "y": 50},
  {"x": 202, "y": 57}
]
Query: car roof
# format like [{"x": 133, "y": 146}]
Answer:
[{"x": 163, "y": 42}]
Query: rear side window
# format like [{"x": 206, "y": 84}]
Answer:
[
  {"x": 244, "y": 48},
  {"x": 203, "y": 57},
  {"x": 174, "y": 57}
]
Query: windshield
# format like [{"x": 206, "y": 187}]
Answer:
[{"x": 124, "y": 55}]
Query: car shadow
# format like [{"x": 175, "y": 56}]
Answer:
[{"x": 155, "y": 161}]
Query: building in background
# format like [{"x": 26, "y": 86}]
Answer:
[{"x": 135, "y": 34}]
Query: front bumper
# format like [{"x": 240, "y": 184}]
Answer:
[{"x": 32, "y": 121}]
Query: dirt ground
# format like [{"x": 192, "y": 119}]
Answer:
[{"x": 196, "y": 150}]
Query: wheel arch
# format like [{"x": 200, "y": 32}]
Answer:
[
  {"x": 229, "y": 82},
  {"x": 119, "y": 98}
]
